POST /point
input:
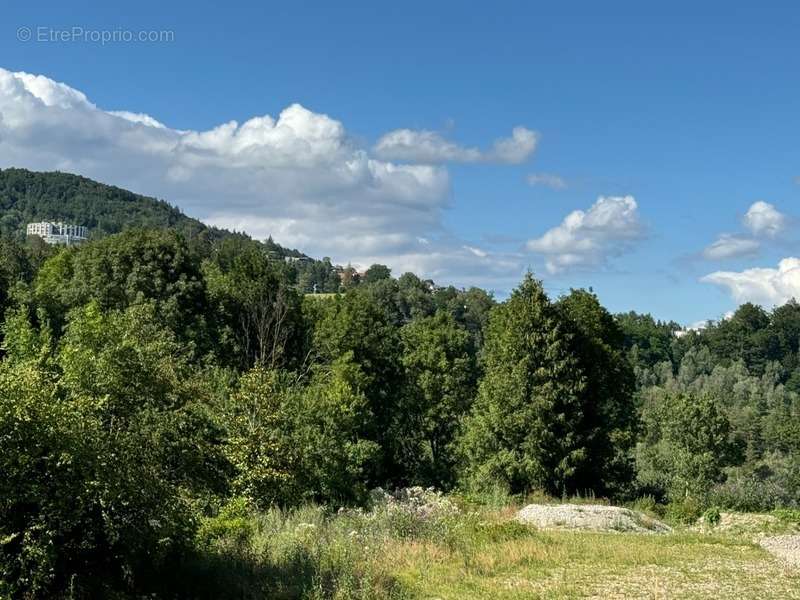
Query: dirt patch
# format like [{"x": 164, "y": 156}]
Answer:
[
  {"x": 786, "y": 548},
  {"x": 591, "y": 517}
]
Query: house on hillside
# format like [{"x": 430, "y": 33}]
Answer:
[{"x": 59, "y": 233}]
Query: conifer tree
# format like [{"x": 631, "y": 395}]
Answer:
[{"x": 524, "y": 431}]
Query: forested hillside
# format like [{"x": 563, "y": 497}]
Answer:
[
  {"x": 27, "y": 196},
  {"x": 159, "y": 396}
]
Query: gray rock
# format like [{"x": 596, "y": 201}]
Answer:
[{"x": 592, "y": 517}]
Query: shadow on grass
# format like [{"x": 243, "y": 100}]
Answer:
[{"x": 300, "y": 575}]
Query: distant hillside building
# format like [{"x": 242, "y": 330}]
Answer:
[
  {"x": 296, "y": 259},
  {"x": 59, "y": 233}
]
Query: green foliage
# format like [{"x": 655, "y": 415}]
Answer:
[
  {"x": 290, "y": 443},
  {"x": 329, "y": 417},
  {"x": 610, "y": 422},
  {"x": 788, "y": 515},
  {"x": 684, "y": 511},
  {"x": 744, "y": 337},
  {"x": 377, "y": 273},
  {"x": 259, "y": 442},
  {"x": 305, "y": 553},
  {"x": 27, "y": 196},
  {"x": 358, "y": 326},
  {"x": 685, "y": 444},
  {"x": 647, "y": 504},
  {"x": 316, "y": 276},
  {"x": 14, "y": 266},
  {"x": 711, "y": 516},
  {"x": 769, "y": 484},
  {"x": 470, "y": 308},
  {"x": 257, "y": 314},
  {"x": 524, "y": 430},
  {"x": 414, "y": 298},
  {"x": 21, "y": 340},
  {"x": 127, "y": 269},
  {"x": 96, "y": 489},
  {"x": 441, "y": 377},
  {"x": 647, "y": 341},
  {"x": 154, "y": 380}
]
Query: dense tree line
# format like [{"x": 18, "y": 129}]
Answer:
[
  {"x": 719, "y": 408},
  {"x": 151, "y": 377}
]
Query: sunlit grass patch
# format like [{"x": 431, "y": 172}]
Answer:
[
  {"x": 423, "y": 549},
  {"x": 578, "y": 564}
]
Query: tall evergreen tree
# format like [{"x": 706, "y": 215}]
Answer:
[
  {"x": 524, "y": 431},
  {"x": 609, "y": 414}
]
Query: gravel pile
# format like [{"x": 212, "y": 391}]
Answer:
[
  {"x": 591, "y": 517},
  {"x": 785, "y": 547}
]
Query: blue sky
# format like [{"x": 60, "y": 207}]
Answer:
[{"x": 689, "y": 113}]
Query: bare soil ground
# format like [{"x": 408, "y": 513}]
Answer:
[{"x": 785, "y": 547}]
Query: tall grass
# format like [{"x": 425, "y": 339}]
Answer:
[{"x": 423, "y": 545}]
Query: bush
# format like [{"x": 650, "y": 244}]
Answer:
[
  {"x": 648, "y": 505},
  {"x": 685, "y": 511},
  {"x": 711, "y": 516},
  {"x": 81, "y": 509},
  {"x": 750, "y": 494}
]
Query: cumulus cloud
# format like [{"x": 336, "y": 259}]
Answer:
[
  {"x": 763, "y": 219},
  {"x": 422, "y": 146},
  {"x": 768, "y": 287},
  {"x": 731, "y": 246},
  {"x": 589, "y": 238},
  {"x": 554, "y": 182},
  {"x": 298, "y": 176}
]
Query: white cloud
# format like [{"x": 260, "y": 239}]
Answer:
[
  {"x": 138, "y": 118},
  {"x": 516, "y": 149},
  {"x": 550, "y": 180},
  {"x": 763, "y": 219},
  {"x": 589, "y": 238},
  {"x": 298, "y": 176},
  {"x": 422, "y": 146},
  {"x": 476, "y": 251},
  {"x": 730, "y": 246},
  {"x": 764, "y": 286}
]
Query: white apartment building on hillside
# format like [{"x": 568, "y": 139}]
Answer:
[{"x": 59, "y": 233}]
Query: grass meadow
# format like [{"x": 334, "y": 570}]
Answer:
[{"x": 477, "y": 551}]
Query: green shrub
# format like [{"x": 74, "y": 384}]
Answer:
[
  {"x": 752, "y": 493},
  {"x": 233, "y": 525},
  {"x": 684, "y": 511},
  {"x": 711, "y": 516},
  {"x": 647, "y": 504}
]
